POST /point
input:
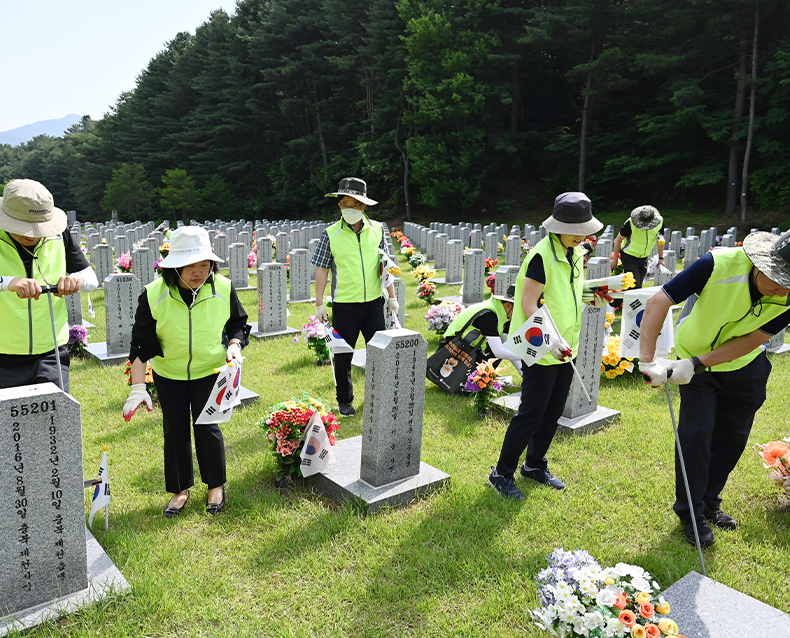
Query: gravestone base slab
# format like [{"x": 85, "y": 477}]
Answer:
[
  {"x": 443, "y": 281},
  {"x": 586, "y": 424},
  {"x": 310, "y": 299},
  {"x": 104, "y": 580},
  {"x": 87, "y": 324},
  {"x": 340, "y": 481},
  {"x": 453, "y": 299},
  {"x": 359, "y": 359},
  {"x": 245, "y": 288},
  {"x": 98, "y": 352},
  {"x": 703, "y": 607},
  {"x": 270, "y": 335},
  {"x": 247, "y": 396},
  {"x": 780, "y": 350}
]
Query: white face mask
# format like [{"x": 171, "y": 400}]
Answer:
[{"x": 351, "y": 215}]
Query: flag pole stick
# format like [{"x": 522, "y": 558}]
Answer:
[{"x": 573, "y": 365}]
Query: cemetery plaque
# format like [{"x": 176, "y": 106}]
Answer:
[
  {"x": 440, "y": 251},
  {"x": 474, "y": 277},
  {"x": 534, "y": 238},
  {"x": 455, "y": 255},
  {"x": 272, "y": 301},
  {"x": 104, "y": 262},
  {"x": 282, "y": 248},
  {"x": 121, "y": 246},
  {"x": 727, "y": 241},
  {"x": 513, "y": 250},
  {"x": 505, "y": 277},
  {"x": 74, "y": 309},
  {"x": 120, "y": 303},
  {"x": 300, "y": 275},
  {"x": 93, "y": 240},
  {"x": 221, "y": 248},
  {"x": 603, "y": 248},
  {"x": 264, "y": 251},
  {"x": 246, "y": 239},
  {"x": 424, "y": 240},
  {"x": 237, "y": 266},
  {"x": 430, "y": 251},
  {"x": 598, "y": 267},
  {"x": 476, "y": 239},
  {"x": 670, "y": 261},
  {"x": 492, "y": 244},
  {"x": 143, "y": 265},
  {"x": 692, "y": 251},
  {"x": 394, "y": 401},
  {"x": 232, "y": 234}
]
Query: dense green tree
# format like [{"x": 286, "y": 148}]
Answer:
[
  {"x": 178, "y": 194},
  {"x": 129, "y": 192}
]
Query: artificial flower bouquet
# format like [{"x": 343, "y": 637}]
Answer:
[
  {"x": 440, "y": 317},
  {"x": 491, "y": 264},
  {"x": 607, "y": 286},
  {"x": 578, "y": 597},
  {"x": 776, "y": 457},
  {"x": 491, "y": 281},
  {"x": 484, "y": 382},
  {"x": 427, "y": 291},
  {"x": 164, "y": 249},
  {"x": 313, "y": 332},
  {"x": 423, "y": 272},
  {"x": 394, "y": 271},
  {"x": 125, "y": 263},
  {"x": 78, "y": 339},
  {"x": 409, "y": 251},
  {"x": 612, "y": 364},
  {"x": 285, "y": 424},
  {"x": 149, "y": 378},
  {"x": 416, "y": 259}
]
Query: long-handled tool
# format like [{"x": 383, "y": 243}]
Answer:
[{"x": 49, "y": 290}]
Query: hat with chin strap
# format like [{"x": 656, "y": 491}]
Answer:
[
  {"x": 28, "y": 209},
  {"x": 353, "y": 187}
]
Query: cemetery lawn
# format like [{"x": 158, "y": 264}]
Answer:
[{"x": 461, "y": 562}]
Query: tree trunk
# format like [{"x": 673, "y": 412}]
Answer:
[
  {"x": 406, "y": 168},
  {"x": 740, "y": 95},
  {"x": 320, "y": 126},
  {"x": 752, "y": 100},
  {"x": 586, "y": 117},
  {"x": 371, "y": 105},
  {"x": 516, "y": 100}
]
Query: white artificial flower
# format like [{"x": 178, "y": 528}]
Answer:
[
  {"x": 567, "y": 614},
  {"x": 640, "y": 583},
  {"x": 588, "y": 587},
  {"x": 636, "y": 571},
  {"x": 606, "y": 597},
  {"x": 614, "y": 628},
  {"x": 593, "y": 620},
  {"x": 562, "y": 591},
  {"x": 619, "y": 570},
  {"x": 656, "y": 586}
]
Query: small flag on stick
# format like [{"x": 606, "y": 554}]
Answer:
[
  {"x": 317, "y": 451},
  {"x": 101, "y": 495}
]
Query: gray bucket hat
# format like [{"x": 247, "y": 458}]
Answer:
[
  {"x": 28, "y": 209},
  {"x": 646, "y": 217},
  {"x": 770, "y": 254},
  {"x": 353, "y": 187},
  {"x": 572, "y": 216}
]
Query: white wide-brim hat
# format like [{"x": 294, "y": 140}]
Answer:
[
  {"x": 28, "y": 209},
  {"x": 572, "y": 216},
  {"x": 189, "y": 245},
  {"x": 770, "y": 254},
  {"x": 353, "y": 187}
]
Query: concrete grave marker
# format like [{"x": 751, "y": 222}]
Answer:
[
  {"x": 103, "y": 262},
  {"x": 440, "y": 251},
  {"x": 513, "y": 250},
  {"x": 143, "y": 265},
  {"x": 282, "y": 248},
  {"x": 238, "y": 269},
  {"x": 121, "y": 292},
  {"x": 272, "y": 303},
  {"x": 299, "y": 269}
]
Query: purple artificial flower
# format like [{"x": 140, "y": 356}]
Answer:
[{"x": 471, "y": 385}]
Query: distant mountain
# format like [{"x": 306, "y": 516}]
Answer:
[{"x": 54, "y": 128}]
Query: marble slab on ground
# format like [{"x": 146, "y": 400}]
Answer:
[
  {"x": 104, "y": 580},
  {"x": 247, "y": 396},
  {"x": 271, "y": 335},
  {"x": 785, "y": 347},
  {"x": 87, "y": 324},
  {"x": 309, "y": 299},
  {"x": 585, "y": 424},
  {"x": 453, "y": 299},
  {"x": 98, "y": 352},
  {"x": 441, "y": 280},
  {"x": 359, "y": 358},
  {"x": 703, "y": 608},
  {"x": 340, "y": 481}
]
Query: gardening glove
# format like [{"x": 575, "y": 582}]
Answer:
[
  {"x": 137, "y": 396},
  {"x": 234, "y": 352},
  {"x": 653, "y": 373},
  {"x": 321, "y": 314},
  {"x": 392, "y": 305},
  {"x": 680, "y": 372},
  {"x": 561, "y": 351}
]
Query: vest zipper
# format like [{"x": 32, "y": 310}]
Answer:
[{"x": 362, "y": 263}]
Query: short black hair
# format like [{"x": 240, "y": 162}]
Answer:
[{"x": 170, "y": 275}]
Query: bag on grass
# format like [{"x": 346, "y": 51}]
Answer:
[{"x": 451, "y": 364}]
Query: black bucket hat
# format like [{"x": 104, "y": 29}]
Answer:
[{"x": 572, "y": 216}]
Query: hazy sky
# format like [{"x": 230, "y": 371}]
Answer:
[{"x": 77, "y": 56}]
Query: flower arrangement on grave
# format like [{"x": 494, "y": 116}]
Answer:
[
  {"x": 776, "y": 457},
  {"x": 149, "y": 378},
  {"x": 164, "y": 249},
  {"x": 609, "y": 320},
  {"x": 578, "y": 597},
  {"x": 409, "y": 251},
  {"x": 125, "y": 263},
  {"x": 423, "y": 272},
  {"x": 606, "y": 285},
  {"x": 416, "y": 260},
  {"x": 491, "y": 281},
  {"x": 285, "y": 424},
  {"x": 78, "y": 339},
  {"x": 427, "y": 291},
  {"x": 313, "y": 333},
  {"x": 612, "y": 364},
  {"x": 491, "y": 264},
  {"x": 500, "y": 249},
  {"x": 441, "y": 316},
  {"x": 484, "y": 383},
  {"x": 251, "y": 260}
]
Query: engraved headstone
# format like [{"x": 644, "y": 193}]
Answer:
[
  {"x": 424, "y": 240},
  {"x": 281, "y": 248},
  {"x": 272, "y": 302},
  {"x": 246, "y": 239},
  {"x": 103, "y": 262},
  {"x": 455, "y": 257},
  {"x": 692, "y": 251},
  {"x": 513, "y": 250},
  {"x": 264, "y": 251},
  {"x": 143, "y": 265},
  {"x": 704, "y": 241},
  {"x": 93, "y": 239},
  {"x": 776, "y": 344},
  {"x": 299, "y": 268},
  {"x": 474, "y": 276},
  {"x": 121, "y": 246},
  {"x": 440, "y": 251},
  {"x": 505, "y": 277},
  {"x": 476, "y": 239},
  {"x": 675, "y": 242},
  {"x": 74, "y": 309},
  {"x": 120, "y": 304},
  {"x": 534, "y": 238},
  {"x": 598, "y": 267},
  {"x": 221, "y": 248},
  {"x": 603, "y": 248},
  {"x": 238, "y": 269},
  {"x": 109, "y": 236},
  {"x": 492, "y": 244},
  {"x": 311, "y": 246},
  {"x": 728, "y": 241},
  {"x": 690, "y": 231},
  {"x": 430, "y": 253},
  {"x": 76, "y": 236},
  {"x": 232, "y": 234}
]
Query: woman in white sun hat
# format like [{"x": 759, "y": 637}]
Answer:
[
  {"x": 182, "y": 321},
  {"x": 36, "y": 251}
]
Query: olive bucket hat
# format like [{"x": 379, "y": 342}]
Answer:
[
  {"x": 770, "y": 254},
  {"x": 645, "y": 217}
]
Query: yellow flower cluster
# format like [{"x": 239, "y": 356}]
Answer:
[
  {"x": 612, "y": 365},
  {"x": 409, "y": 251},
  {"x": 609, "y": 319},
  {"x": 395, "y": 270},
  {"x": 423, "y": 272},
  {"x": 628, "y": 281}
]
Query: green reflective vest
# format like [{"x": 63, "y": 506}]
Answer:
[
  {"x": 725, "y": 310},
  {"x": 562, "y": 293},
  {"x": 494, "y": 305},
  {"x": 641, "y": 242},
  {"x": 191, "y": 338},
  {"x": 357, "y": 273},
  {"x": 27, "y": 325}
]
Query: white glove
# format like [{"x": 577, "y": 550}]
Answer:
[
  {"x": 654, "y": 373},
  {"x": 561, "y": 351},
  {"x": 392, "y": 305},
  {"x": 234, "y": 352},
  {"x": 137, "y": 396},
  {"x": 321, "y": 314},
  {"x": 681, "y": 371}
]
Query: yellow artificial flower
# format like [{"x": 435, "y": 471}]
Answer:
[
  {"x": 663, "y": 607},
  {"x": 637, "y": 631},
  {"x": 642, "y": 597},
  {"x": 668, "y": 626}
]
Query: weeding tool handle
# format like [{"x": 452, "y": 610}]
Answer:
[
  {"x": 647, "y": 378},
  {"x": 52, "y": 289}
]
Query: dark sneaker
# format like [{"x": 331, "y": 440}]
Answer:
[
  {"x": 347, "y": 409},
  {"x": 544, "y": 477},
  {"x": 505, "y": 486},
  {"x": 721, "y": 520},
  {"x": 706, "y": 538}
]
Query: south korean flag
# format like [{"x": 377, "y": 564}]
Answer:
[
  {"x": 534, "y": 338},
  {"x": 634, "y": 305},
  {"x": 224, "y": 396},
  {"x": 317, "y": 451}
]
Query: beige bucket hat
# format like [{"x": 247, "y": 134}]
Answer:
[
  {"x": 770, "y": 254},
  {"x": 28, "y": 209}
]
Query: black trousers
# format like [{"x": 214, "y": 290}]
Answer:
[
  {"x": 636, "y": 266},
  {"x": 178, "y": 399},
  {"x": 716, "y": 414},
  {"x": 544, "y": 390},
  {"x": 40, "y": 370},
  {"x": 349, "y": 319}
]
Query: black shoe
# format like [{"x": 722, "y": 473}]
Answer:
[
  {"x": 706, "y": 537},
  {"x": 347, "y": 409},
  {"x": 505, "y": 486},
  {"x": 544, "y": 477},
  {"x": 216, "y": 508},
  {"x": 721, "y": 520},
  {"x": 171, "y": 511}
]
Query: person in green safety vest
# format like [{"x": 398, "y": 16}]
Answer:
[
  {"x": 183, "y": 321},
  {"x": 351, "y": 249},
  {"x": 36, "y": 250},
  {"x": 723, "y": 369},
  {"x": 552, "y": 272},
  {"x": 640, "y": 232}
]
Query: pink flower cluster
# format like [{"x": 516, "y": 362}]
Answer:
[{"x": 125, "y": 262}]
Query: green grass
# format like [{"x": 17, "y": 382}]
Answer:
[{"x": 461, "y": 562}]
